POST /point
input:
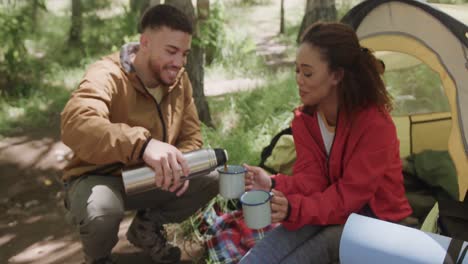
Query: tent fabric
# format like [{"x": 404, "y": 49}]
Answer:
[
  {"x": 441, "y": 42},
  {"x": 429, "y": 132},
  {"x": 397, "y": 61},
  {"x": 421, "y": 132},
  {"x": 357, "y": 14},
  {"x": 393, "y": 28}
]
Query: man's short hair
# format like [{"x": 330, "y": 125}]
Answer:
[{"x": 165, "y": 15}]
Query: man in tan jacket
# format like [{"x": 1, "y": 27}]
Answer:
[{"x": 131, "y": 107}]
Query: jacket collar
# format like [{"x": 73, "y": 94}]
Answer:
[{"x": 127, "y": 54}]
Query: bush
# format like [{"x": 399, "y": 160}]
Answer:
[{"x": 19, "y": 71}]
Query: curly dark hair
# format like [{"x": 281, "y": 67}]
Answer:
[
  {"x": 362, "y": 85},
  {"x": 165, "y": 15}
]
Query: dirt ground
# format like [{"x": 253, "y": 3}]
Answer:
[{"x": 33, "y": 228}]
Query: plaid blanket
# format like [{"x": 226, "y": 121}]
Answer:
[{"x": 228, "y": 237}]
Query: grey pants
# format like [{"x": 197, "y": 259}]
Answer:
[
  {"x": 96, "y": 205},
  {"x": 310, "y": 244}
]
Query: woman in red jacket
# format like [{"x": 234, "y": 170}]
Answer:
[{"x": 347, "y": 152}]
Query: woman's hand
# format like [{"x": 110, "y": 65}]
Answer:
[
  {"x": 256, "y": 178},
  {"x": 279, "y": 206}
]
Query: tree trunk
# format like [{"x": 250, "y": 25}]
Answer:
[
  {"x": 282, "y": 17},
  {"x": 76, "y": 25},
  {"x": 140, "y": 6},
  {"x": 37, "y": 7},
  {"x": 195, "y": 64},
  {"x": 35, "y": 10},
  {"x": 323, "y": 10},
  {"x": 203, "y": 10}
]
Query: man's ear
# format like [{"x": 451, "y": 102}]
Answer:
[{"x": 144, "y": 41}]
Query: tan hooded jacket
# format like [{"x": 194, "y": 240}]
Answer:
[{"x": 111, "y": 116}]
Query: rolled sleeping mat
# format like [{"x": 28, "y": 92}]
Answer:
[{"x": 368, "y": 240}]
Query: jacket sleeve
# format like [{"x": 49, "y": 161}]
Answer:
[
  {"x": 308, "y": 176},
  {"x": 190, "y": 137},
  {"x": 86, "y": 127},
  {"x": 361, "y": 177}
]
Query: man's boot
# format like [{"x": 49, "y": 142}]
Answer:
[{"x": 151, "y": 237}]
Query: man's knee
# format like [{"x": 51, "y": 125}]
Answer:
[
  {"x": 102, "y": 216},
  {"x": 88, "y": 202},
  {"x": 105, "y": 202}
]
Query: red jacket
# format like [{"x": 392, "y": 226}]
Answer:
[{"x": 364, "y": 168}]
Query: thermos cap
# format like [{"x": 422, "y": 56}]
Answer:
[{"x": 221, "y": 156}]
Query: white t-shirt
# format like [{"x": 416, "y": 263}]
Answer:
[{"x": 327, "y": 131}]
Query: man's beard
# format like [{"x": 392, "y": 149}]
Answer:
[{"x": 157, "y": 74}]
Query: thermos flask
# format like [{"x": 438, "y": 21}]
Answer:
[{"x": 200, "y": 162}]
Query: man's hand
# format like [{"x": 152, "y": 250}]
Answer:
[
  {"x": 168, "y": 164},
  {"x": 279, "y": 206},
  {"x": 256, "y": 178}
]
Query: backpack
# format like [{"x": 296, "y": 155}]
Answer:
[
  {"x": 280, "y": 155},
  {"x": 453, "y": 222},
  {"x": 453, "y": 218}
]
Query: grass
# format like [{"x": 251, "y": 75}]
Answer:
[
  {"x": 246, "y": 121},
  {"x": 38, "y": 111},
  {"x": 41, "y": 108}
]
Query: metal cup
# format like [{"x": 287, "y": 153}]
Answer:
[
  {"x": 231, "y": 181},
  {"x": 256, "y": 208}
]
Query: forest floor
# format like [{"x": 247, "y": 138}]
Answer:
[{"x": 33, "y": 228}]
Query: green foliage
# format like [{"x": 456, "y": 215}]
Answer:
[
  {"x": 416, "y": 90},
  {"x": 212, "y": 33},
  {"x": 40, "y": 109},
  {"x": 19, "y": 70},
  {"x": 100, "y": 36},
  {"x": 290, "y": 35},
  {"x": 103, "y": 35},
  {"x": 89, "y": 6},
  {"x": 229, "y": 49},
  {"x": 245, "y": 122},
  {"x": 236, "y": 56},
  {"x": 342, "y": 9}
]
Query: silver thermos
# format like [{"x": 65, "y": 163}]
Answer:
[{"x": 200, "y": 162}]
